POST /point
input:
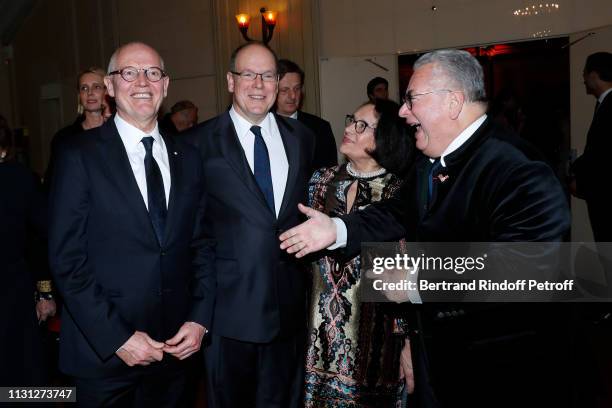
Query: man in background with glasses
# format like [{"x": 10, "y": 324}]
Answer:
[
  {"x": 471, "y": 184},
  {"x": 256, "y": 167},
  {"x": 127, "y": 248}
]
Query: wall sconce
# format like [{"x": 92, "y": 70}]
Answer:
[{"x": 268, "y": 22}]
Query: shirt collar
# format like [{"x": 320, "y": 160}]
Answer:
[
  {"x": 294, "y": 115},
  {"x": 603, "y": 95},
  {"x": 131, "y": 135},
  {"x": 243, "y": 126},
  {"x": 461, "y": 139}
]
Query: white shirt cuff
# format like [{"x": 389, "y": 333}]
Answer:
[
  {"x": 340, "y": 234},
  {"x": 413, "y": 295}
]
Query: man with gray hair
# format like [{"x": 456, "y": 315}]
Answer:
[
  {"x": 474, "y": 182},
  {"x": 127, "y": 248}
]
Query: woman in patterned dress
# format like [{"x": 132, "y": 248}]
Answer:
[{"x": 353, "y": 356}]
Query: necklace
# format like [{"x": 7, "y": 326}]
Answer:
[{"x": 364, "y": 174}]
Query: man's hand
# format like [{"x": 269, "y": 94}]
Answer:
[
  {"x": 44, "y": 309},
  {"x": 317, "y": 233},
  {"x": 394, "y": 276},
  {"x": 406, "y": 370},
  {"x": 140, "y": 349},
  {"x": 187, "y": 341}
]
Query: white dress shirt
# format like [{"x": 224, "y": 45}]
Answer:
[
  {"x": 279, "y": 165},
  {"x": 132, "y": 141},
  {"x": 603, "y": 95},
  {"x": 461, "y": 139}
]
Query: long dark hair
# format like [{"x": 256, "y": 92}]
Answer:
[{"x": 394, "y": 142}]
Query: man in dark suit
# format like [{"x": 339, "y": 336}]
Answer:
[
  {"x": 288, "y": 103},
  {"x": 127, "y": 247},
  {"x": 593, "y": 164},
  {"x": 256, "y": 166},
  {"x": 589, "y": 171},
  {"x": 473, "y": 183}
]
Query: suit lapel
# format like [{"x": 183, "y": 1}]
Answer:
[
  {"x": 174, "y": 156},
  {"x": 234, "y": 155},
  {"x": 293, "y": 158},
  {"x": 120, "y": 171}
]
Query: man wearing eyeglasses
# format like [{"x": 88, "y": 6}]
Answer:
[
  {"x": 127, "y": 247},
  {"x": 473, "y": 183},
  {"x": 256, "y": 166}
]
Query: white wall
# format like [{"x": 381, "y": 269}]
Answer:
[
  {"x": 363, "y": 27},
  {"x": 343, "y": 83}
]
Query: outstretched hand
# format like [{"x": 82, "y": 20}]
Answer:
[{"x": 317, "y": 233}]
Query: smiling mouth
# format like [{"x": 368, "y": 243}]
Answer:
[
  {"x": 142, "y": 95},
  {"x": 257, "y": 97}
]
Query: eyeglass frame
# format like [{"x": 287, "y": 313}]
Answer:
[
  {"x": 138, "y": 70},
  {"x": 408, "y": 97},
  {"x": 350, "y": 119},
  {"x": 241, "y": 75}
]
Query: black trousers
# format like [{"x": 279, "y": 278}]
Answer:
[
  {"x": 141, "y": 388},
  {"x": 243, "y": 374}
]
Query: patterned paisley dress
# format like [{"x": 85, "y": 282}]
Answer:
[{"x": 353, "y": 351}]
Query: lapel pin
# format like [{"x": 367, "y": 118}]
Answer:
[
  {"x": 175, "y": 153},
  {"x": 442, "y": 178}
]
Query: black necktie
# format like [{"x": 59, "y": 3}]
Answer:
[
  {"x": 156, "y": 196},
  {"x": 596, "y": 107},
  {"x": 261, "y": 167}
]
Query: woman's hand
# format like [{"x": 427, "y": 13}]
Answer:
[{"x": 406, "y": 371}]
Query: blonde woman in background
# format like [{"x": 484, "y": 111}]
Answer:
[{"x": 92, "y": 110}]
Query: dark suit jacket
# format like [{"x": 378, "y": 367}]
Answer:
[
  {"x": 495, "y": 192},
  {"x": 23, "y": 220},
  {"x": 60, "y": 139},
  {"x": 592, "y": 168},
  {"x": 326, "y": 153},
  {"x": 261, "y": 290},
  {"x": 108, "y": 265}
]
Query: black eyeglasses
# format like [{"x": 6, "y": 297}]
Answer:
[
  {"x": 130, "y": 74},
  {"x": 360, "y": 125},
  {"x": 409, "y": 97},
  {"x": 251, "y": 76}
]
